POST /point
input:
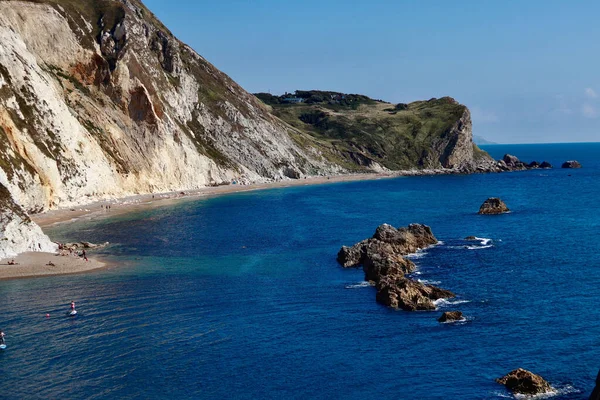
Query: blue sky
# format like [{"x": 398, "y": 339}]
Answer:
[{"x": 529, "y": 71}]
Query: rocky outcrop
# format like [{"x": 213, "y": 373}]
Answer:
[
  {"x": 451, "y": 316},
  {"x": 409, "y": 295},
  {"x": 383, "y": 262},
  {"x": 493, "y": 205},
  {"x": 571, "y": 164},
  {"x": 525, "y": 382},
  {"x": 508, "y": 163},
  {"x": 384, "y": 253},
  {"x": 18, "y": 233}
]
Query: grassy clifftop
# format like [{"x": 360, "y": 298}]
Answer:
[{"x": 361, "y": 130}]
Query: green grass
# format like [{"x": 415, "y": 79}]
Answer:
[{"x": 398, "y": 137}]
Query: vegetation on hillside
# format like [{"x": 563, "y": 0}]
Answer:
[{"x": 360, "y": 130}]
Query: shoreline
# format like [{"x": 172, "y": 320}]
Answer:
[
  {"x": 125, "y": 205},
  {"x": 35, "y": 264}
]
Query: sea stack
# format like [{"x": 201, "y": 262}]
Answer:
[
  {"x": 493, "y": 205},
  {"x": 571, "y": 164},
  {"x": 384, "y": 264},
  {"x": 521, "y": 381}
]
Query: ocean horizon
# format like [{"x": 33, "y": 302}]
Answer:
[{"x": 240, "y": 296}]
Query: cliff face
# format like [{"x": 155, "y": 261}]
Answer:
[
  {"x": 98, "y": 99},
  {"x": 18, "y": 233}
]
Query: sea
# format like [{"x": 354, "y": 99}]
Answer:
[{"x": 240, "y": 296}]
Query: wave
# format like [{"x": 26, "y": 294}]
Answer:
[
  {"x": 428, "y": 282},
  {"x": 446, "y": 302},
  {"x": 478, "y": 247},
  {"x": 359, "y": 285},
  {"x": 418, "y": 254},
  {"x": 483, "y": 241},
  {"x": 422, "y": 252},
  {"x": 472, "y": 247},
  {"x": 556, "y": 391},
  {"x": 458, "y": 321}
]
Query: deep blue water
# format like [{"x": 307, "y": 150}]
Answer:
[{"x": 240, "y": 296}]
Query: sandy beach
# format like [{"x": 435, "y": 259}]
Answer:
[
  {"x": 35, "y": 264},
  {"x": 128, "y": 204}
]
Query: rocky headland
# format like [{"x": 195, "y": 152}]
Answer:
[{"x": 383, "y": 260}]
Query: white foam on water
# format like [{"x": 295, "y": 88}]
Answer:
[
  {"x": 483, "y": 241},
  {"x": 478, "y": 247},
  {"x": 428, "y": 282},
  {"x": 458, "y": 321},
  {"x": 556, "y": 391},
  {"x": 446, "y": 302},
  {"x": 418, "y": 254},
  {"x": 359, "y": 285}
]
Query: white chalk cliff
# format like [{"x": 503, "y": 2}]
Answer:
[{"x": 99, "y": 100}]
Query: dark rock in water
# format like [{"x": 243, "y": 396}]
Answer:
[
  {"x": 545, "y": 165},
  {"x": 493, "y": 205},
  {"x": 571, "y": 164},
  {"x": 409, "y": 295},
  {"x": 533, "y": 165},
  {"x": 388, "y": 244},
  {"x": 351, "y": 256},
  {"x": 450, "y": 316},
  {"x": 596, "y": 392},
  {"x": 522, "y": 381},
  {"x": 513, "y": 163},
  {"x": 383, "y": 262},
  {"x": 510, "y": 159},
  {"x": 382, "y": 259},
  {"x": 470, "y": 238}
]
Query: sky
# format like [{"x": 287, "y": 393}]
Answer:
[{"x": 529, "y": 71}]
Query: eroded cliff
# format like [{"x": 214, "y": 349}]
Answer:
[{"x": 97, "y": 99}]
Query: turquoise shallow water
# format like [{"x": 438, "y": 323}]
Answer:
[{"x": 240, "y": 296}]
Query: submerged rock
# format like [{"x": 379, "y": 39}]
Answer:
[
  {"x": 470, "y": 238},
  {"x": 406, "y": 294},
  {"x": 571, "y": 164},
  {"x": 493, "y": 205},
  {"x": 451, "y": 316},
  {"x": 522, "y": 381}
]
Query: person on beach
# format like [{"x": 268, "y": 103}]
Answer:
[
  {"x": 84, "y": 255},
  {"x": 2, "y": 337}
]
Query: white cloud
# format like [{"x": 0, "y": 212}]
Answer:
[
  {"x": 591, "y": 93},
  {"x": 482, "y": 116},
  {"x": 589, "y": 111}
]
